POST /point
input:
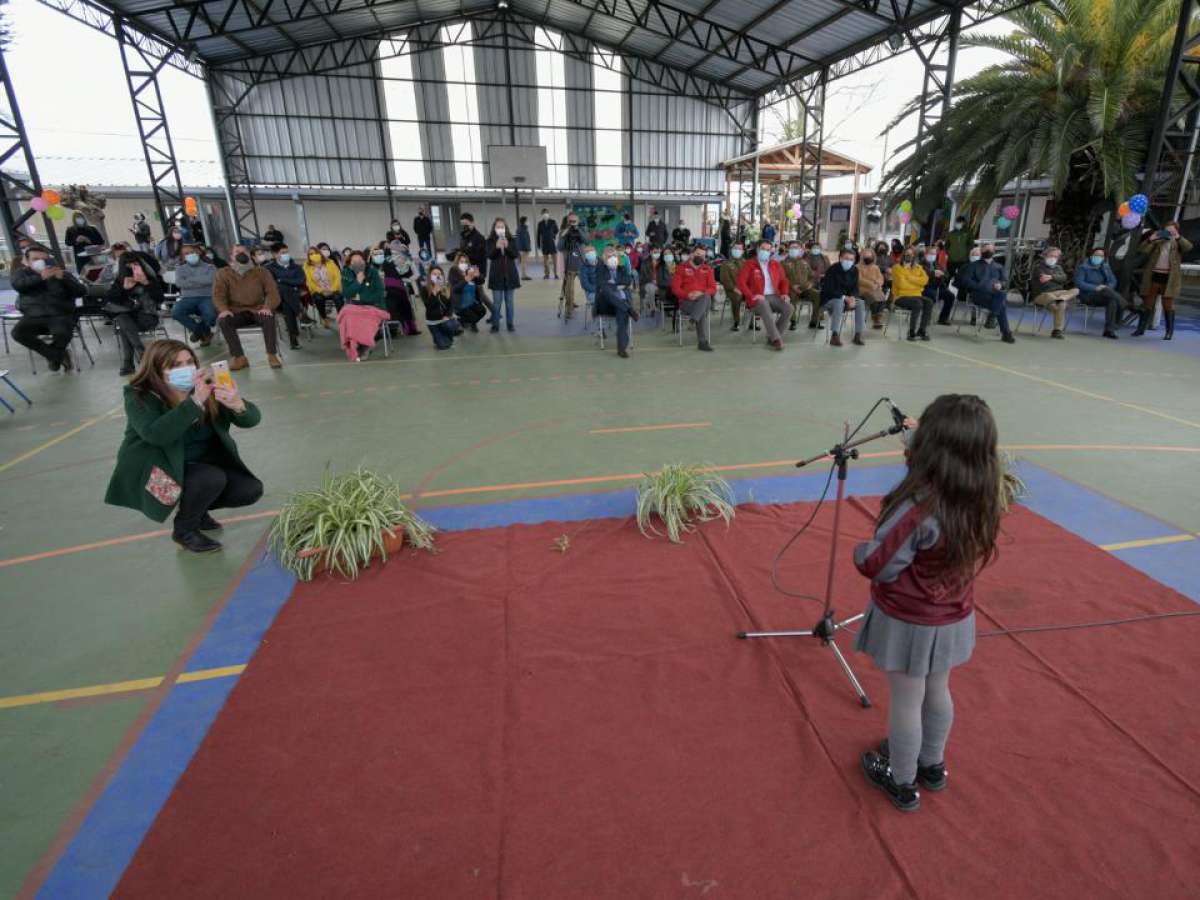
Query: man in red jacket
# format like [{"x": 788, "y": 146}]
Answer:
[
  {"x": 764, "y": 286},
  {"x": 694, "y": 286}
]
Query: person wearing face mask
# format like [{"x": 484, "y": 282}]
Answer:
[
  {"x": 693, "y": 286},
  {"x": 503, "y": 278},
  {"x": 587, "y": 275},
  {"x": 937, "y": 289},
  {"x": 396, "y": 270},
  {"x": 364, "y": 310},
  {"x": 909, "y": 280},
  {"x": 397, "y": 233},
  {"x": 571, "y": 244},
  {"x": 177, "y": 453},
  {"x": 131, "y": 304},
  {"x": 614, "y": 291},
  {"x": 439, "y": 313},
  {"x": 80, "y": 236},
  {"x": 802, "y": 283},
  {"x": 472, "y": 243},
  {"x": 323, "y": 278},
  {"x": 839, "y": 291},
  {"x": 464, "y": 293},
  {"x": 626, "y": 232},
  {"x": 870, "y": 286},
  {"x": 730, "y": 269},
  {"x": 524, "y": 244},
  {"x": 814, "y": 255},
  {"x": 763, "y": 282},
  {"x": 768, "y": 232},
  {"x": 1049, "y": 286},
  {"x": 547, "y": 240},
  {"x": 272, "y": 236},
  {"x": 1098, "y": 287},
  {"x": 423, "y": 229},
  {"x": 984, "y": 279},
  {"x": 289, "y": 278},
  {"x": 194, "y": 309},
  {"x": 959, "y": 244},
  {"x": 170, "y": 249},
  {"x": 656, "y": 230},
  {"x": 246, "y": 295},
  {"x": 46, "y": 298},
  {"x": 682, "y": 235},
  {"x": 1163, "y": 275},
  {"x": 663, "y": 276},
  {"x": 648, "y": 282}
]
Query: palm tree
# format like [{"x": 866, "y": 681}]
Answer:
[{"x": 1075, "y": 103}]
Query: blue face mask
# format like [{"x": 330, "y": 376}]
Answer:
[
  {"x": 182, "y": 378},
  {"x": 736, "y": 252},
  {"x": 669, "y": 258},
  {"x": 590, "y": 256},
  {"x": 764, "y": 255},
  {"x": 794, "y": 252},
  {"x": 1097, "y": 260},
  {"x": 847, "y": 264},
  {"x": 285, "y": 259},
  {"x": 192, "y": 259}
]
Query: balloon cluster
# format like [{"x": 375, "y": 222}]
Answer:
[
  {"x": 906, "y": 209},
  {"x": 794, "y": 212},
  {"x": 1132, "y": 210},
  {"x": 1007, "y": 216},
  {"x": 189, "y": 205},
  {"x": 47, "y": 202}
]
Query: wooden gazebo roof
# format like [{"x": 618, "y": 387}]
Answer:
[{"x": 783, "y": 162}]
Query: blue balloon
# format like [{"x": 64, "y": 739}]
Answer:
[
  {"x": 1003, "y": 222},
  {"x": 1139, "y": 203}
]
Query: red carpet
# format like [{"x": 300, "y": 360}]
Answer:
[{"x": 502, "y": 719}]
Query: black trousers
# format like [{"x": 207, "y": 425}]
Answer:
[
  {"x": 211, "y": 486},
  {"x": 28, "y": 331},
  {"x": 914, "y": 305},
  {"x": 127, "y": 326}
]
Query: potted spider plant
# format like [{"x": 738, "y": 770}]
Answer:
[
  {"x": 343, "y": 525},
  {"x": 679, "y": 494},
  {"x": 1012, "y": 486}
]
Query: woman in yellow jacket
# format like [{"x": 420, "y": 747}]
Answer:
[
  {"x": 324, "y": 280},
  {"x": 908, "y": 282}
]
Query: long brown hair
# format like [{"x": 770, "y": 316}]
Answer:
[
  {"x": 955, "y": 474},
  {"x": 148, "y": 379}
]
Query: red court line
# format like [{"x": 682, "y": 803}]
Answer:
[{"x": 650, "y": 428}]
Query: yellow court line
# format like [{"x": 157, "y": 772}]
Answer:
[
  {"x": 1066, "y": 387},
  {"x": 58, "y": 440},
  {"x": 116, "y": 687},
  {"x": 634, "y": 428},
  {"x": 1150, "y": 542}
]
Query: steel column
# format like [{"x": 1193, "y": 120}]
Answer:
[
  {"x": 14, "y": 142},
  {"x": 141, "y": 76},
  {"x": 238, "y": 190},
  {"x": 939, "y": 59},
  {"x": 812, "y": 112},
  {"x": 754, "y": 180}
]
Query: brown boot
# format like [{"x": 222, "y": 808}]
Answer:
[
  {"x": 239, "y": 362},
  {"x": 274, "y": 361},
  {"x": 877, "y": 321}
]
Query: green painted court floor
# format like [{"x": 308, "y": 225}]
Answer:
[{"x": 498, "y": 417}]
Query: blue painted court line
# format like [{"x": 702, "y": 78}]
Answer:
[{"x": 100, "y": 852}]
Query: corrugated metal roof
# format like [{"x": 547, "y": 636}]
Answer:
[{"x": 809, "y": 33}]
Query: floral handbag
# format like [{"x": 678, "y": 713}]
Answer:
[{"x": 162, "y": 487}]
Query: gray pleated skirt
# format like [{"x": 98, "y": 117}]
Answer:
[{"x": 915, "y": 650}]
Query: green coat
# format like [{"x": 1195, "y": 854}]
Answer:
[
  {"x": 370, "y": 293},
  {"x": 799, "y": 275},
  {"x": 154, "y": 437}
]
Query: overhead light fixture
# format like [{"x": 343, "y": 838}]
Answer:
[
  {"x": 895, "y": 41},
  {"x": 501, "y": 4}
]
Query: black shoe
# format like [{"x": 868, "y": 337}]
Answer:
[
  {"x": 814, "y": 325},
  {"x": 858, "y": 341},
  {"x": 1008, "y": 339},
  {"x": 495, "y": 329},
  {"x": 792, "y": 326},
  {"x": 943, "y": 321},
  {"x": 706, "y": 347},
  {"x": 624, "y": 354},
  {"x": 208, "y": 523},
  {"x": 912, "y": 335},
  {"x": 905, "y": 797},
  {"x": 932, "y": 778},
  {"x": 293, "y": 344},
  {"x": 1058, "y": 335},
  {"x": 1170, "y": 320},
  {"x": 989, "y": 322},
  {"x": 923, "y": 335},
  {"x": 1111, "y": 335},
  {"x": 196, "y": 542},
  {"x": 736, "y": 327},
  {"x": 55, "y": 365},
  {"x": 474, "y": 328},
  {"x": 512, "y": 328}
]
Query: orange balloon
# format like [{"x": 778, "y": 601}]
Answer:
[
  {"x": 51, "y": 196},
  {"x": 189, "y": 205},
  {"x": 1124, "y": 209}
]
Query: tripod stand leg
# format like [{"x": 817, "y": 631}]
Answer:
[{"x": 858, "y": 688}]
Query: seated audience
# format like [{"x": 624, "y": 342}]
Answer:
[
  {"x": 170, "y": 249},
  {"x": 272, "y": 236},
  {"x": 937, "y": 289},
  {"x": 291, "y": 281},
  {"x": 802, "y": 283},
  {"x": 194, "y": 308},
  {"x": 397, "y": 272},
  {"x": 1098, "y": 287},
  {"x": 1049, "y": 288},
  {"x": 323, "y": 278},
  {"x": 245, "y": 295},
  {"x": 613, "y": 286},
  {"x": 132, "y": 305},
  {"x": 177, "y": 450},
  {"x": 984, "y": 279},
  {"x": 839, "y": 291},
  {"x": 397, "y": 233},
  {"x": 763, "y": 283},
  {"x": 364, "y": 310},
  {"x": 728, "y": 274},
  {"x": 909, "y": 280},
  {"x": 46, "y": 295},
  {"x": 871, "y": 286},
  {"x": 587, "y": 274},
  {"x": 80, "y": 236},
  {"x": 693, "y": 286}
]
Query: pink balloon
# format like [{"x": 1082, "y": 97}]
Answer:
[
  {"x": 38, "y": 204},
  {"x": 1012, "y": 212}
]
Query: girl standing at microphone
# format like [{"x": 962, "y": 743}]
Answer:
[{"x": 936, "y": 529}]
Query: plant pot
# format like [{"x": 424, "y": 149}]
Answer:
[{"x": 392, "y": 544}]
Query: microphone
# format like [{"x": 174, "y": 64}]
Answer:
[{"x": 897, "y": 416}]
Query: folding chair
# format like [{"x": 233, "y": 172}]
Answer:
[
  {"x": 4, "y": 377},
  {"x": 77, "y": 336}
]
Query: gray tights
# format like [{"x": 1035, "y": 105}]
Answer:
[{"x": 920, "y": 713}]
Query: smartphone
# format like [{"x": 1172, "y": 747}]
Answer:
[{"x": 221, "y": 376}]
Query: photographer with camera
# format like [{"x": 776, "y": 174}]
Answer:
[{"x": 570, "y": 244}]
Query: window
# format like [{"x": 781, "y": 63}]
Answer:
[
  {"x": 400, "y": 102},
  {"x": 552, "y": 107},
  {"x": 464, "y": 105},
  {"x": 610, "y": 101}
]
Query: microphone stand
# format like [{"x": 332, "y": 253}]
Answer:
[{"x": 827, "y": 626}]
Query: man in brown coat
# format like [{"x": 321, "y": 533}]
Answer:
[{"x": 245, "y": 295}]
